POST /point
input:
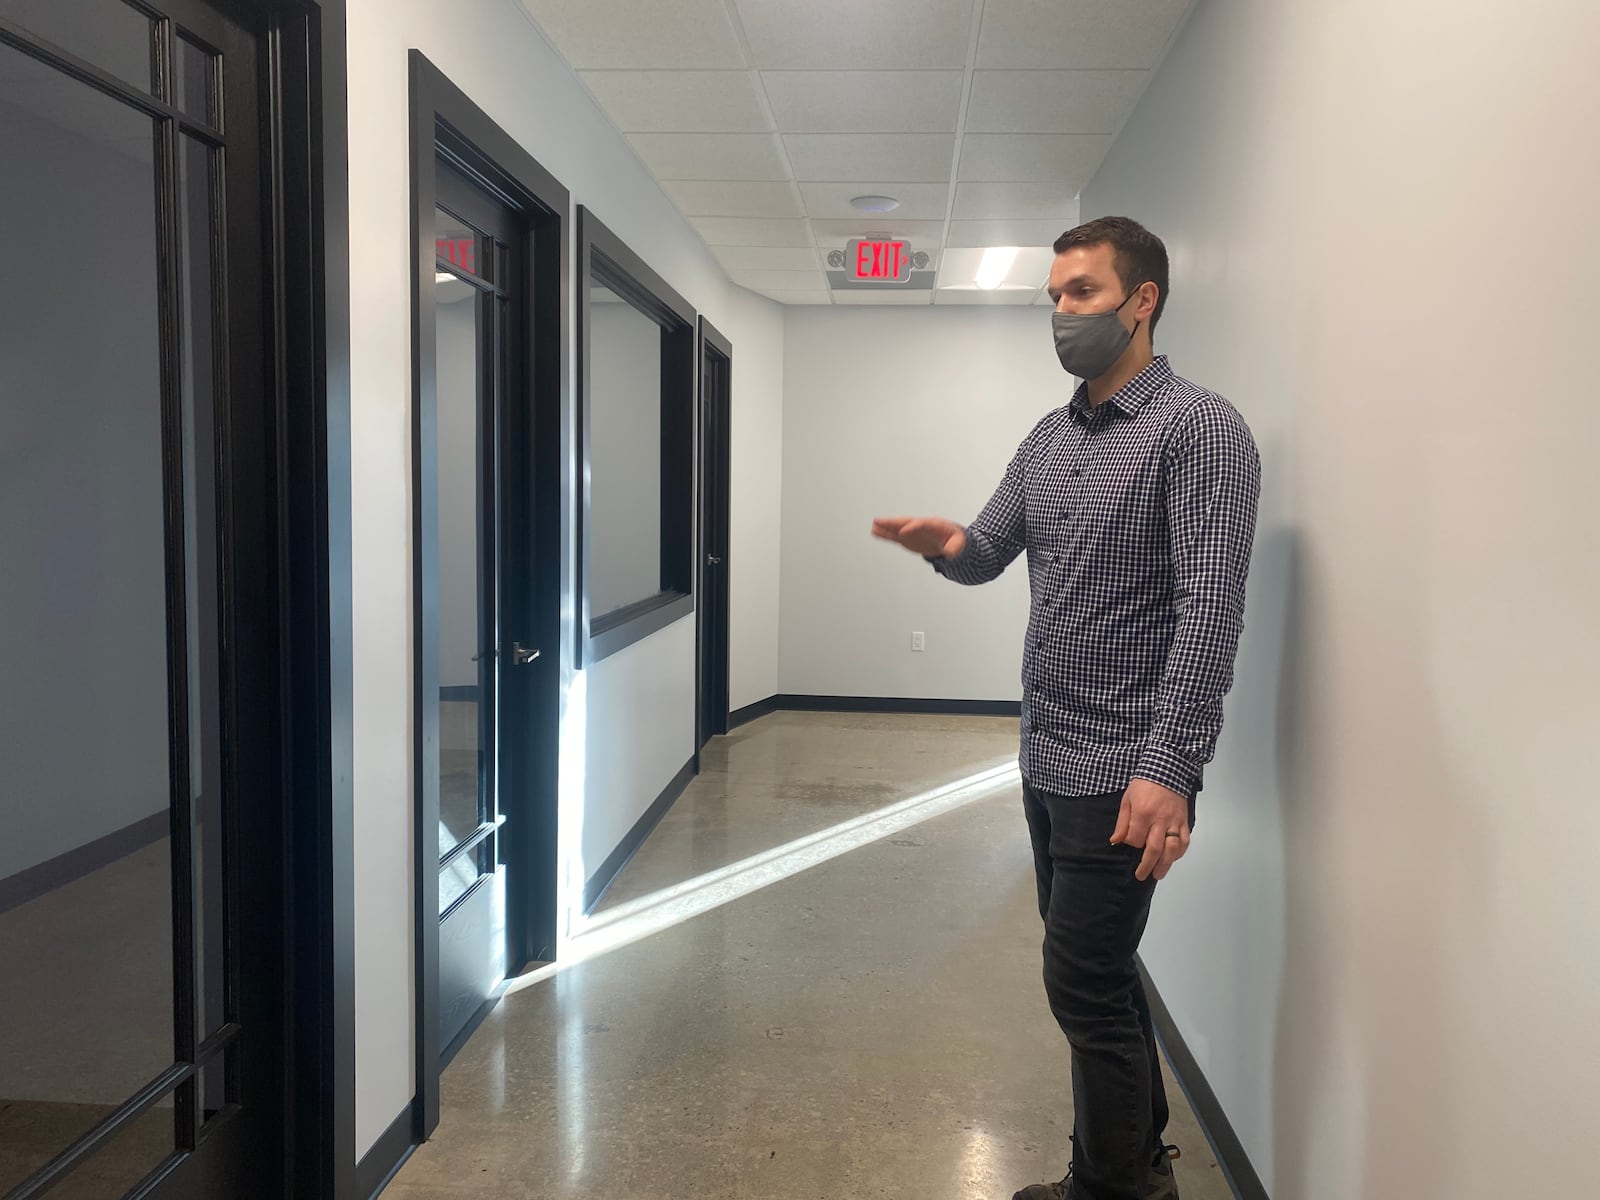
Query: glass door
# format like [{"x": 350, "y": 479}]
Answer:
[
  {"x": 141, "y": 1020},
  {"x": 478, "y": 372}
]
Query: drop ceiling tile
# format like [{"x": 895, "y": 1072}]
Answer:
[
  {"x": 781, "y": 281},
  {"x": 1052, "y": 101},
  {"x": 1029, "y": 269},
  {"x": 1002, "y": 201},
  {"x": 724, "y": 198},
  {"x": 1020, "y": 297},
  {"x": 864, "y": 101},
  {"x": 744, "y": 156},
  {"x": 747, "y": 231},
  {"x": 1066, "y": 158},
  {"x": 923, "y": 235},
  {"x": 1008, "y": 233},
  {"x": 638, "y": 34},
  {"x": 924, "y": 157},
  {"x": 821, "y": 35},
  {"x": 885, "y": 296},
  {"x": 808, "y": 297},
  {"x": 679, "y": 101},
  {"x": 918, "y": 201},
  {"x": 1076, "y": 33},
  {"x": 767, "y": 258}
]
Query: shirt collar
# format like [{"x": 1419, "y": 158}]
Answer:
[{"x": 1135, "y": 394}]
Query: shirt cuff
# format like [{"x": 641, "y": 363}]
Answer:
[
  {"x": 1160, "y": 763},
  {"x": 944, "y": 564}
]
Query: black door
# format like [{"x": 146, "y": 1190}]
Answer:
[
  {"x": 716, "y": 402},
  {"x": 142, "y": 916},
  {"x": 485, "y": 649}
]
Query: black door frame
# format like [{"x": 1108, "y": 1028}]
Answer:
[
  {"x": 305, "y": 344},
  {"x": 442, "y": 117},
  {"x": 712, "y": 650}
]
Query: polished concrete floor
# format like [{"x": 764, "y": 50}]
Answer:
[{"x": 872, "y": 1026}]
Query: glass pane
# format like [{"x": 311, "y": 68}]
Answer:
[
  {"x": 86, "y": 1002},
  {"x": 462, "y": 872},
  {"x": 465, "y": 658},
  {"x": 197, "y": 277},
  {"x": 194, "y": 75},
  {"x": 123, "y": 1163},
  {"x": 107, "y": 33},
  {"x": 216, "y": 1079},
  {"x": 458, "y": 245},
  {"x": 624, "y": 453}
]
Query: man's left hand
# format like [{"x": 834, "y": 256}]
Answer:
[{"x": 1149, "y": 813}]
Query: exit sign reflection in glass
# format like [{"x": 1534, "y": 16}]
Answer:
[{"x": 873, "y": 260}]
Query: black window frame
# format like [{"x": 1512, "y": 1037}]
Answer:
[{"x": 625, "y": 273}]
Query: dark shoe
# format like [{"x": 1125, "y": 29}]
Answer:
[
  {"x": 1162, "y": 1184},
  {"x": 1045, "y": 1191}
]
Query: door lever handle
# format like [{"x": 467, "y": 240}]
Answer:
[
  {"x": 713, "y": 561},
  {"x": 522, "y": 655}
]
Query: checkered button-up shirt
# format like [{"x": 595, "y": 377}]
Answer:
[{"x": 1138, "y": 517}]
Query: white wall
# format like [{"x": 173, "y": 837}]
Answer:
[
  {"x": 756, "y": 328},
  {"x": 493, "y": 52},
  {"x": 903, "y": 411},
  {"x": 1382, "y": 948}
]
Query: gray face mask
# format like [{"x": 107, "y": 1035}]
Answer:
[{"x": 1089, "y": 344}]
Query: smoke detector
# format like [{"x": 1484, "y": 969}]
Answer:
[{"x": 875, "y": 204}]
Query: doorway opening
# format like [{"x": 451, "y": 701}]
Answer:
[
  {"x": 490, "y": 316},
  {"x": 716, "y": 410}
]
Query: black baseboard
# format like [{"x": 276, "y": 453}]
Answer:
[
  {"x": 876, "y": 704},
  {"x": 1236, "y": 1166},
  {"x": 379, "y": 1165},
  {"x": 752, "y": 712},
  {"x": 82, "y": 860},
  {"x": 448, "y": 1055},
  {"x": 594, "y": 891}
]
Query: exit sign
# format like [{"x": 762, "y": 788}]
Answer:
[{"x": 875, "y": 260}]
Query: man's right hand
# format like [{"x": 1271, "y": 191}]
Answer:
[{"x": 931, "y": 537}]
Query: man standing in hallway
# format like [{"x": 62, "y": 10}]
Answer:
[{"x": 1136, "y": 505}]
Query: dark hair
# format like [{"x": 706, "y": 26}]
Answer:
[{"x": 1139, "y": 255}]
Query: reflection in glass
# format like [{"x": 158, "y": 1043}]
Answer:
[
  {"x": 86, "y": 1003},
  {"x": 194, "y": 74},
  {"x": 107, "y": 33},
  {"x": 458, "y": 245},
  {"x": 624, "y": 453},
  {"x": 127, "y": 1160},
  {"x": 456, "y": 877},
  {"x": 463, "y": 654}
]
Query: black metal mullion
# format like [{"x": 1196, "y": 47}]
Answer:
[
  {"x": 477, "y": 281},
  {"x": 170, "y": 297},
  {"x": 42, "y": 1180},
  {"x": 488, "y": 609},
  {"x": 85, "y": 72},
  {"x": 221, "y": 372}
]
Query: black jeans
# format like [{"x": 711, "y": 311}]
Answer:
[{"x": 1094, "y": 914}]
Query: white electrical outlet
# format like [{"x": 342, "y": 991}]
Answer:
[{"x": 919, "y": 642}]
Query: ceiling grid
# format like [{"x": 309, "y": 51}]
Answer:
[{"x": 762, "y": 119}]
